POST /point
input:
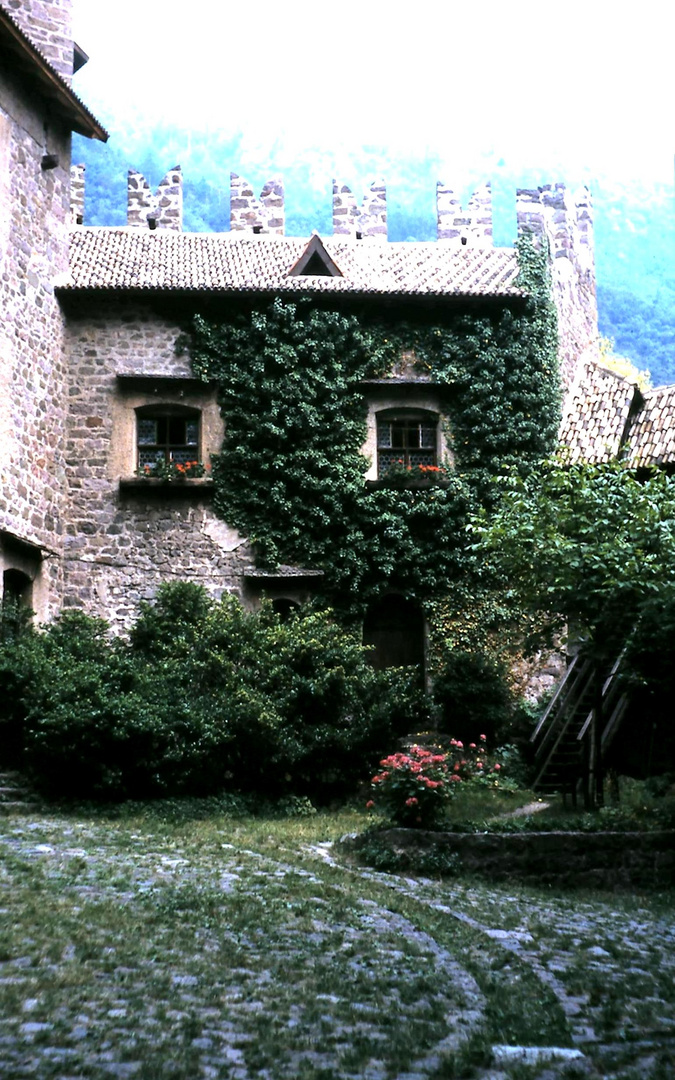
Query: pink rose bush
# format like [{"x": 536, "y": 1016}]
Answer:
[{"x": 415, "y": 786}]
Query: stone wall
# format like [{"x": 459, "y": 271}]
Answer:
[
  {"x": 77, "y": 194},
  {"x": 123, "y": 540},
  {"x": 265, "y": 215},
  {"x": 566, "y": 220},
  {"x": 161, "y": 210},
  {"x": 561, "y": 859},
  {"x": 367, "y": 221},
  {"x": 471, "y": 227},
  {"x": 48, "y": 24},
  {"x": 34, "y": 220}
]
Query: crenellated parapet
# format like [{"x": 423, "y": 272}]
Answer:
[
  {"x": 365, "y": 222},
  {"x": 161, "y": 210},
  {"x": 263, "y": 215}
]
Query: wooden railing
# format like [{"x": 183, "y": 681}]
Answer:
[{"x": 562, "y": 738}]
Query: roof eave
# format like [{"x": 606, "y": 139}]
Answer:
[{"x": 66, "y": 101}]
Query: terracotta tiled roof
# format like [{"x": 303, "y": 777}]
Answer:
[
  {"x": 140, "y": 259},
  {"x": 596, "y": 412},
  {"x": 26, "y": 54},
  {"x": 651, "y": 436}
]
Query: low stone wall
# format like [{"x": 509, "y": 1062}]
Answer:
[{"x": 606, "y": 860}]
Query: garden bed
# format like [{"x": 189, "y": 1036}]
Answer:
[{"x": 613, "y": 860}]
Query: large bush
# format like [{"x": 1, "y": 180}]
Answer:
[{"x": 203, "y": 696}]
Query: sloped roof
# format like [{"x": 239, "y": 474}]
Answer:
[
  {"x": 651, "y": 437},
  {"x": 28, "y": 59},
  {"x": 596, "y": 413},
  {"x": 163, "y": 260}
]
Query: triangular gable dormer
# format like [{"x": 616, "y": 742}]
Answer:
[{"x": 315, "y": 261}]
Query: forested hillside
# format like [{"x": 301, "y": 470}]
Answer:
[{"x": 634, "y": 222}]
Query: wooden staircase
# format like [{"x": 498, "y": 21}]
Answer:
[{"x": 562, "y": 738}]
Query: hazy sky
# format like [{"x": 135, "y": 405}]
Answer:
[{"x": 588, "y": 84}]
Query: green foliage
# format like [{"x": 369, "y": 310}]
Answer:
[
  {"x": 291, "y": 472},
  {"x": 588, "y": 543},
  {"x": 472, "y": 693},
  {"x": 204, "y": 696}
]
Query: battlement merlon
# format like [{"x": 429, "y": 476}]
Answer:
[
  {"x": 161, "y": 210},
  {"x": 466, "y": 228},
  {"x": 365, "y": 222},
  {"x": 264, "y": 215}
]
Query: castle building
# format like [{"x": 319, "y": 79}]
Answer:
[{"x": 97, "y": 405}]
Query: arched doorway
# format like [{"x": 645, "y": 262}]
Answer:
[{"x": 394, "y": 626}]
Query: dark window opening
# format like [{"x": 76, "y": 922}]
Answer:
[
  {"x": 166, "y": 435},
  {"x": 395, "y": 628},
  {"x": 406, "y": 438},
  {"x": 17, "y": 588},
  {"x": 285, "y": 608}
]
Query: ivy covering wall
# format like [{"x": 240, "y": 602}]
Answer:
[{"x": 291, "y": 473}]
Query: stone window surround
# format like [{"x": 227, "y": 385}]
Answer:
[
  {"x": 160, "y": 391},
  {"x": 402, "y": 397}
]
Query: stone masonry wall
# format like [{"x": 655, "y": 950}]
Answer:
[
  {"x": 34, "y": 219},
  {"x": 566, "y": 220},
  {"x": 162, "y": 210},
  {"x": 121, "y": 544},
  {"x": 48, "y": 24},
  {"x": 368, "y": 221},
  {"x": 265, "y": 215},
  {"x": 77, "y": 194}
]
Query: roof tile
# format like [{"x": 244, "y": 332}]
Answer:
[{"x": 163, "y": 260}]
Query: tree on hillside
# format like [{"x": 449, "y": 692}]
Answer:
[{"x": 588, "y": 546}]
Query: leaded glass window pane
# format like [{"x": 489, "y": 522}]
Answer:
[
  {"x": 407, "y": 440},
  {"x": 164, "y": 437}
]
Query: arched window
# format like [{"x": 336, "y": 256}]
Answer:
[
  {"x": 17, "y": 588},
  {"x": 406, "y": 437},
  {"x": 394, "y": 626},
  {"x": 166, "y": 433}
]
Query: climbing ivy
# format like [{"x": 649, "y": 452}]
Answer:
[{"x": 291, "y": 472}]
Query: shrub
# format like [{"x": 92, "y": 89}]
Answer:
[
  {"x": 204, "y": 696},
  {"x": 472, "y": 693}
]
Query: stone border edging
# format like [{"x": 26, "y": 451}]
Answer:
[{"x": 602, "y": 859}]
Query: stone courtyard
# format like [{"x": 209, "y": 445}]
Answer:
[{"x": 143, "y": 949}]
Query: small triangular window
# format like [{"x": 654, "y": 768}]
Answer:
[{"x": 315, "y": 261}]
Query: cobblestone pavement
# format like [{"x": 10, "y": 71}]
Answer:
[{"x": 129, "y": 953}]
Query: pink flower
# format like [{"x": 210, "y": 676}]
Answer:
[
  {"x": 412, "y": 801},
  {"x": 479, "y": 764},
  {"x": 472, "y": 746},
  {"x": 497, "y": 768},
  {"x": 459, "y": 745},
  {"x": 483, "y": 737},
  {"x": 456, "y": 777},
  {"x": 370, "y": 804},
  {"x": 455, "y": 767}
]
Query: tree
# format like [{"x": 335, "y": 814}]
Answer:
[{"x": 589, "y": 546}]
